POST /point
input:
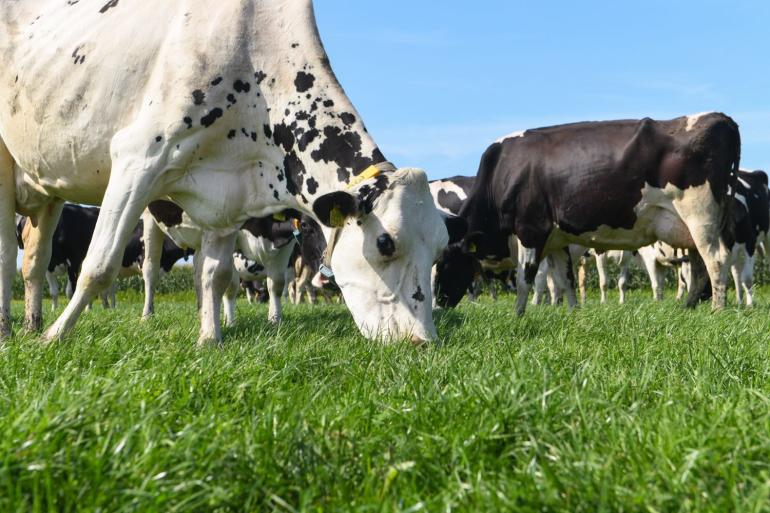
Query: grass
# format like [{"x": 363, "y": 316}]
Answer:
[{"x": 646, "y": 407}]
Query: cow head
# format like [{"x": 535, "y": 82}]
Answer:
[
  {"x": 382, "y": 252},
  {"x": 455, "y": 271}
]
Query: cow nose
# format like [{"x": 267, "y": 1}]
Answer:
[{"x": 418, "y": 341}]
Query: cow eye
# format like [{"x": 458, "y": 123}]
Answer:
[{"x": 385, "y": 245}]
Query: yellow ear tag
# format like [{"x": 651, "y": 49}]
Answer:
[
  {"x": 279, "y": 216},
  {"x": 336, "y": 219},
  {"x": 472, "y": 247},
  {"x": 295, "y": 224}
]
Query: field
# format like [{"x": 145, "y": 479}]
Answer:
[{"x": 646, "y": 407}]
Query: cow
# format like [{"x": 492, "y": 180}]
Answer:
[
  {"x": 608, "y": 185},
  {"x": 230, "y": 111}
]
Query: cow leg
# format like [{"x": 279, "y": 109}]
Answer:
[
  {"x": 702, "y": 218},
  {"x": 152, "y": 237},
  {"x": 680, "y": 283},
  {"x": 304, "y": 287},
  {"x": 560, "y": 264},
  {"x": 698, "y": 280},
  {"x": 541, "y": 279},
  {"x": 685, "y": 277},
  {"x": 276, "y": 278},
  {"x": 274, "y": 287},
  {"x": 69, "y": 289},
  {"x": 747, "y": 278},
  {"x": 489, "y": 281},
  {"x": 553, "y": 288},
  {"x": 216, "y": 275},
  {"x": 312, "y": 295},
  {"x": 125, "y": 199},
  {"x": 656, "y": 273},
  {"x": 105, "y": 296},
  {"x": 736, "y": 270},
  {"x": 528, "y": 262},
  {"x": 37, "y": 256},
  {"x": 622, "y": 283},
  {"x": 601, "y": 270},
  {"x": 53, "y": 287},
  {"x": 230, "y": 297},
  {"x": 582, "y": 280},
  {"x": 114, "y": 294},
  {"x": 197, "y": 273}
]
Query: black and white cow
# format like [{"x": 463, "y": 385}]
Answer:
[
  {"x": 607, "y": 185},
  {"x": 238, "y": 126}
]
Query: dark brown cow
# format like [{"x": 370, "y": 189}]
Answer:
[{"x": 607, "y": 185}]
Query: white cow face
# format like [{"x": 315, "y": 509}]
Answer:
[{"x": 382, "y": 259}]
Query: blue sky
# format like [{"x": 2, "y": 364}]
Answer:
[{"x": 436, "y": 82}]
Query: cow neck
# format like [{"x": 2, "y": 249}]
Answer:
[{"x": 320, "y": 142}]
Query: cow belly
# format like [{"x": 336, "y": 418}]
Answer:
[{"x": 653, "y": 224}]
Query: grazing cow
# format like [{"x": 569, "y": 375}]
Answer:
[
  {"x": 449, "y": 195},
  {"x": 608, "y": 185},
  {"x": 229, "y": 110}
]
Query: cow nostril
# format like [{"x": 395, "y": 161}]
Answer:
[{"x": 385, "y": 245}]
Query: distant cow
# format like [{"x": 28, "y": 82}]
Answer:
[{"x": 608, "y": 185}]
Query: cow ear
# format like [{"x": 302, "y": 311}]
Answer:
[
  {"x": 457, "y": 227},
  {"x": 471, "y": 242},
  {"x": 332, "y": 209}
]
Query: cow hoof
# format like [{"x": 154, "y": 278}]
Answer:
[
  {"x": 5, "y": 330},
  {"x": 204, "y": 342},
  {"x": 33, "y": 324},
  {"x": 50, "y": 337}
]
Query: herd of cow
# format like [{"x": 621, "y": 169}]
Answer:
[{"x": 224, "y": 129}]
